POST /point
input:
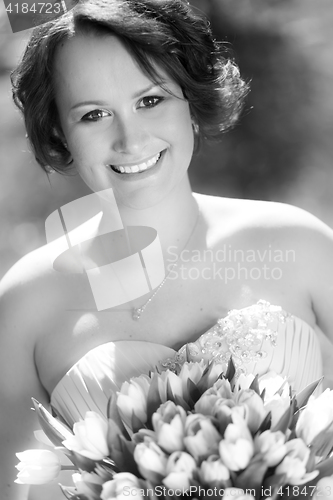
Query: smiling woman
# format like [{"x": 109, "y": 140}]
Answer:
[
  {"x": 122, "y": 92},
  {"x": 135, "y": 136}
]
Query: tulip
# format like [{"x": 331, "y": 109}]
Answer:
[
  {"x": 192, "y": 371},
  {"x": 179, "y": 468},
  {"x": 168, "y": 422},
  {"x": 151, "y": 461},
  {"x": 123, "y": 486},
  {"x": 220, "y": 391},
  {"x": 132, "y": 398},
  {"x": 236, "y": 449},
  {"x": 213, "y": 472},
  {"x": 169, "y": 380},
  {"x": 236, "y": 456},
  {"x": 316, "y": 418},
  {"x": 88, "y": 484},
  {"x": 202, "y": 437},
  {"x": 244, "y": 381},
  {"x": 223, "y": 410},
  {"x": 294, "y": 463},
  {"x": 271, "y": 445},
  {"x": 255, "y": 408},
  {"x": 90, "y": 437},
  {"x": 37, "y": 467},
  {"x": 273, "y": 384},
  {"x": 277, "y": 405}
]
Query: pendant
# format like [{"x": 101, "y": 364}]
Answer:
[{"x": 136, "y": 313}]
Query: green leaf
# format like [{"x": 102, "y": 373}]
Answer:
[
  {"x": 325, "y": 468},
  {"x": 181, "y": 402},
  {"x": 302, "y": 397},
  {"x": 125, "y": 459},
  {"x": 193, "y": 391},
  {"x": 286, "y": 419},
  {"x": 205, "y": 383},
  {"x": 153, "y": 399},
  {"x": 136, "y": 423},
  {"x": 274, "y": 483},
  {"x": 82, "y": 462},
  {"x": 265, "y": 424},
  {"x": 71, "y": 493},
  {"x": 255, "y": 385},
  {"x": 231, "y": 370},
  {"x": 169, "y": 394},
  {"x": 252, "y": 476},
  {"x": 55, "y": 431},
  {"x": 114, "y": 415}
]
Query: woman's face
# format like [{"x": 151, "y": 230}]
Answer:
[{"x": 122, "y": 130}]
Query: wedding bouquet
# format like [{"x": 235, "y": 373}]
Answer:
[{"x": 197, "y": 433}]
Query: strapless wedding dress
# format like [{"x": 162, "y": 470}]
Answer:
[{"x": 260, "y": 338}]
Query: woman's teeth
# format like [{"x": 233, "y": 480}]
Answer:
[{"x": 136, "y": 168}]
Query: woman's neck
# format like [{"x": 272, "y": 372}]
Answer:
[{"x": 174, "y": 217}]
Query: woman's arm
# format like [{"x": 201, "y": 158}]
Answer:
[
  {"x": 320, "y": 276},
  {"x": 18, "y": 381}
]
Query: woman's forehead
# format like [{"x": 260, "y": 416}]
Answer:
[{"x": 87, "y": 62}]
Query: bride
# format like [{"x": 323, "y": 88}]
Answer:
[{"x": 122, "y": 92}]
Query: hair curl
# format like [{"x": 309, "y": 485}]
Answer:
[{"x": 164, "y": 34}]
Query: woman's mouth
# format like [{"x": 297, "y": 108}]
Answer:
[{"x": 136, "y": 169}]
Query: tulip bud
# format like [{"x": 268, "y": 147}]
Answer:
[
  {"x": 90, "y": 437},
  {"x": 122, "y": 486},
  {"x": 236, "y": 450},
  {"x": 37, "y": 467},
  {"x": 169, "y": 380},
  {"x": 151, "y": 461},
  {"x": 255, "y": 408},
  {"x": 273, "y": 384},
  {"x": 271, "y": 445},
  {"x": 236, "y": 456},
  {"x": 180, "y": 467},
  {"x": 294, "y": 463},
  {"x": 168, "y": 422},
  {"x": 202, "y": 437},
  {"x": 132, "y": 398},
  {"x": 88, "y": 484},
  {"x": 213, "y": 472},
  {"x": 316, "y": 418}
]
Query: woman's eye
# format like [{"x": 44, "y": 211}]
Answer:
[
  {"x": 150, "y": 101},
  {"x": 94, "y": 116}
]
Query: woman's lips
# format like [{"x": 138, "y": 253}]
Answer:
[{"x": 138, "y": 168}]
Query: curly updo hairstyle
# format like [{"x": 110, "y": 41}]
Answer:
[{"x": 158, "y": 33}]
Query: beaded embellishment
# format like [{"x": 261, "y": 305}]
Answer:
[{"x": 240, "y": 334}]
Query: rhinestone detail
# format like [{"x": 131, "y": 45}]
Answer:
[{"x": 240, "y": 334}]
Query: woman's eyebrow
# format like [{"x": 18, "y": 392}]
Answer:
[
  {"x": 147, "y": 89},
  {"x": 88, "y": 103},
  {"x": 104, "y": 103}
]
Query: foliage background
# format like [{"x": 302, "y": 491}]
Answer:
[{"x": 281, "y": 150}]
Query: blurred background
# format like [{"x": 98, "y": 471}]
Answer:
[{"x": 281, "y": 150}]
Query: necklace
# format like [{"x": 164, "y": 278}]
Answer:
[{"x": 137, "y": 311}]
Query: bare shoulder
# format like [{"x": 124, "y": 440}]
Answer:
[
  {"x": 282, "y": 227},
  {"x": 257, "y": 214}
]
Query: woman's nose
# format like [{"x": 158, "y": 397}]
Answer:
[{"x": 129, "y": 137}]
